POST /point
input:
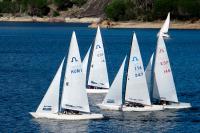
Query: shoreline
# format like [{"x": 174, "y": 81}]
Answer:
[
  {"x": 105, "y": 24},
  {"x": 150, "y": 25}
]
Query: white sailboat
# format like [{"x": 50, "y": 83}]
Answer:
[
  {"x": 74, "y": 102},
  {"x": 164, "y": 29},
  {"x": 113, "y": 99},
  {"x": 98, "y": 76},
  {"x": 164, "y": 89},
  {"x": 137, "y": 95}
]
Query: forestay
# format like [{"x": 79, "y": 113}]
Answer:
[
  {"x": 50, "y": 101},
  {"x": 98, "y": 75},
  {"x": 114, "y": 96},
  {"x": 136, "y": 85},
  {"x": 163, "y": 81},
  {"x": 74, "y": 95}
]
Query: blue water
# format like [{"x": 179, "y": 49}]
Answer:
[{"x": 30, "y": 54}]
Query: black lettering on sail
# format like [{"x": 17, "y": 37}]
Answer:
[
  {"x": 98, "y": 46},
  {"x": 74, "y": 59},
  {"x": 135, "y": 58}
]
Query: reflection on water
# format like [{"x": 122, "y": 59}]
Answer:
[{"x": 58, "y": 126}]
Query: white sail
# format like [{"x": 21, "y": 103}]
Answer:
[
  {"x": 136, "y": 85},
  {"x": 74, "y": 96},
  {"x": 148, "y": 74},
  {"x": 85, "y": 61},
  {"x": 114, "y": 95},
  {"x": 164, "y": 82},
  {"x": 50, "y": 101},
  {"x": 98, "y": 75},
  {"x": 85, "y": 64},
  {"x": 164, "y": 29}
]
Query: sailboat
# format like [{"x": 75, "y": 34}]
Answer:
[
  {"x": 137, "y": 94},
  {"x": 74, "y": 101},
  {"x": 98, "y": 76},
  {"x": 113, "y": 99},
  {"x": 164, "y": 90},
  {"x": 164, "y": 29}
]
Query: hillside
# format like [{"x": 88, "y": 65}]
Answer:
[{"x": 115, "y": 10}]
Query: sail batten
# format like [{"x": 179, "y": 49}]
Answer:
[
  {"x": 74, "y": 96},
  {"x": 50, "y": 100},
  {"x": 164, "y": 86},
  {"x": 98, "y": 75},
  {"x": 114, "y": 96},
  {"x": 136, "y": 85}
]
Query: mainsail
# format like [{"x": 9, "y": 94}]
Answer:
[
  {"x": 98, "y": 75},
  {"x": 74, "y": 96},
  {"x": 164, "y": 86},
  {"x": 136, "y": 85},
  {"x": 114, "y": 96},
  {"x": 50, "y": 101}
]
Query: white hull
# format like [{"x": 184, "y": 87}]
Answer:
[
  {"x": 177, "y": 106},
  {"x": 143, "y": 109},
  {"x": 97, "y": 90},
  {"x": 66, "y": 116},
  {"x": 109, "y": 107},
  {"x": 165, "y": 35}
]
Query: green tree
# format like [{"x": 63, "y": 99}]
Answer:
[{"x": 116, "y": 10}]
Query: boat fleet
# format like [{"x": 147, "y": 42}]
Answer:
[{"x": 152, "y": 89}]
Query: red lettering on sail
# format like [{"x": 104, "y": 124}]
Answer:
[
  {"x": 161, "y": 50},
  {"x": 164, "y": 62},
  {"x": 167, "y": 71}
]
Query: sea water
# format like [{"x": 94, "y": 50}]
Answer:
[{"x": 30, "y": 54}]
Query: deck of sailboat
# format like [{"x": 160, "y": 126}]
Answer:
[
  {"x": 98, "y": 91},
  {"x": 180, "y": 105},
  {"x": 143, "y": 109},
  {"x": 60, "y": 116},
  {"x": 109, "y": 107}
]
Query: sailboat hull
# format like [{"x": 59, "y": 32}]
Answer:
[
  {"x": 109, "y": 107},
  {"x": 165, "y": 35},
  {"x": 97, "y": 90},
  {"x": 143, "y": 109},
  {"x": 177, "y": 106},
  {"x": 66, "y": 116}
]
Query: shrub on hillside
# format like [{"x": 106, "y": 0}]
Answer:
[{"x": 116, "y": 10}]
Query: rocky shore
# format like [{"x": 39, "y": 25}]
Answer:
[
  {"x": 105, "y": 23},
  {"x": 49, "y": 19},
  {"x": 155, "y": 24}
]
